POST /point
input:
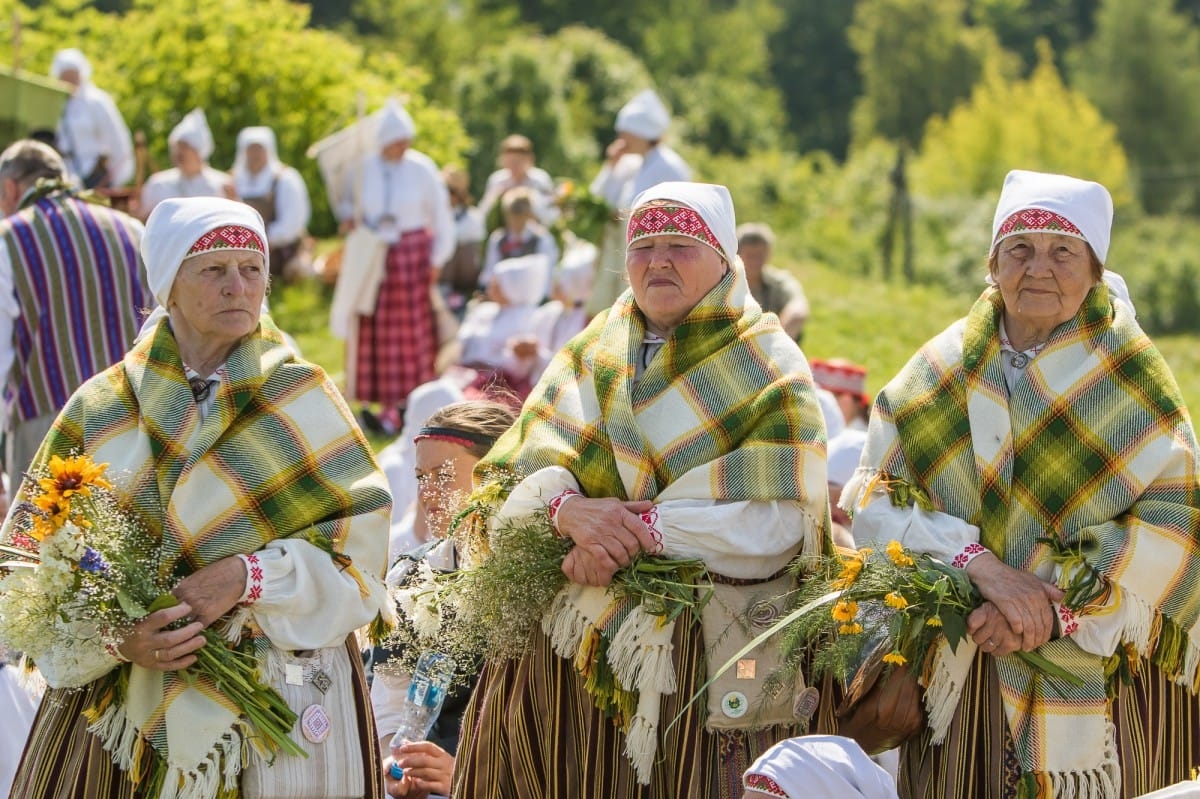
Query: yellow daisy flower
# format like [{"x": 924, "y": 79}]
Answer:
[
  {"x": 895, "y": 600},
  {"x": 895, "y": 658},
  {"x": 76, "y": 474},
  {"x": 895, "y": 551},
  {"x": 845, "y": 611},
  {"x": 933, "y": 621},
  {"x": 850, "y": 629}
]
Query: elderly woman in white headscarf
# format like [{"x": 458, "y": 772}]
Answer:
[
  {"x": 92, "y": 135},
  {"x": 398, "y": 193},
  {"x": 1043, "y": 447},
  {"x": 275, "y": 190},
  {"x": 191, "y": 145},
  {"x": 636, "y": 160},
  {"x": 272, "y": 517},
  {"x": 681, "y": 423}
]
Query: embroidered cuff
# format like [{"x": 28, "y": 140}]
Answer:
[
  {"x": 968, "y": 554},
  {"x": 556, "y": 504},
  {"x": 650, "y": 519},
  {"x": 112, "y": 647},
  {"x": 1068, "y": 622},
  {"x": 254, "y": 579}
]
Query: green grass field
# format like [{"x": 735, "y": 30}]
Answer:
[{"x": 868, "y": 321}]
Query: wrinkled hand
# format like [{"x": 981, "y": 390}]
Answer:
[
  {"x": 608, "y": 534},
  {"x": 152, "y": 646},
  {"x": 1021, "y": 598},
  {"x": 991, "y": 631},
  {"x": 428, "y": 768},
  {"x": 213, "y": 590}
]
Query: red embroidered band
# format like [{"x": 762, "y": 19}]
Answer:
[
  {"x": 1037, "y": 220},
  {"x": 763, "y": 784},
  {"x": 671, "y": 220},
  {"x": 229, "y": 237}
]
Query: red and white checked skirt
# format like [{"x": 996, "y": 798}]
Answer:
[{"x": 397, "y": 345}]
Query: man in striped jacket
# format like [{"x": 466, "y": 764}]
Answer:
[{"x": 72, "y": 293}]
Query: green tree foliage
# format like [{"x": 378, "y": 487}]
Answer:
[
  {"x": 917, "y": 58},
  {"x": 245, "y": 64},
  {"x": 816, "y": 72},
  {"x": 1037, "y": 123},
  {"x": 710, "y": 60},
  {"x": 562, "y": 91},
  {"x": 1019, "y": 24},
  {"x": 1142, "y": 69},
  {"x": 438, "y": 35}
]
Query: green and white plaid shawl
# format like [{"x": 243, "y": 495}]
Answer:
[
  {"x": 727, "y": 404},
  {"x": 277, "y": 456},
  {"x": 1095, "y": 447}
]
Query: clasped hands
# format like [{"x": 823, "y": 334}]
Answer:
[
  {"x": 1017, "y": 613},
  {"x": 608, "y": 534},
  {"x": 204, "y": 596}
]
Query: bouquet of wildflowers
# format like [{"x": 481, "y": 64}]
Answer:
[
  {"x": 582, "y": 213},
  {"x": 489, "y": 609},
  {"x": 81, "y": 569},
  {"x": 850, "y": 604}
]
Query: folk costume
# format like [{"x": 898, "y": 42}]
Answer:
[
  {"x": 277, "y": 192},
  {"x": 721, "y": 428},
  {"x": 91, "y": 134},
  {"x": 271, "y": 465},
  {"x": 193, "y": 131},
  {"x": 646, "y": 117},
  {"x": 817, "y": 767},
  {"x": 1085, "y": 442},
  {"x": 406, "y": 204},
  {"x": 72, "y": 294}
]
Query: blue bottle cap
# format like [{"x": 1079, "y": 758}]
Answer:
[{"x": 395, "y": 772}]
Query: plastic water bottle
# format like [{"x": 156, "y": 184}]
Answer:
[{"x": 426, "y": 693}]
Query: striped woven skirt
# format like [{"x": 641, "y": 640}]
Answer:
[
  {"x": 1157, "y": 728},
  {"x": 62, "y": 760},
  {"x": 531, "y": 731},
  {"x": 396, "y": 346}
]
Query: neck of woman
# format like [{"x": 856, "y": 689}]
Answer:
[
  {"x": 201, "y": 355},
  {"x": 1024, "y": 335}
]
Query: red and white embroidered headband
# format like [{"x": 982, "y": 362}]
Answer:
[
  {"x": 1036, "y": 220},
  {"x": 228, "y": 237},
  {"x": 671, "y": 220}
]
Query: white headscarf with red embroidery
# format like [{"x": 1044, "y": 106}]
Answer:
[
  {"x": 703, "y": 211},
  {"x": 1040, "y": 202}
]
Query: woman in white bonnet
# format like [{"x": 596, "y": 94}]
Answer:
[
  {"x": 1060, "y": 467},
  {"x": 191, "y": 145},
  {"x": 682, "y": 423},
  {"x": 234, "y": 454},
  {"x": 399, "y": 195}
]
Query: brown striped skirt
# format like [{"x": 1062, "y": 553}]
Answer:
[
  {"x": 62, "y": 760},
  {"x": 1157, "y": 728},
  {"x": 531, "y": 731}
]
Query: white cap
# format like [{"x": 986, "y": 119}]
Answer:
[
  {"x": 193, "y": 131},
  {"x": 68, "y": 59},
  {"x": 395, "y": 124},
  {"x": 644, "y": 116}
]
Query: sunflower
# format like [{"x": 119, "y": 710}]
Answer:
[
  {"x": 895, "y": 600},
  {"x": 76, "y": 474},
  {"x": 895, "y": 658}
]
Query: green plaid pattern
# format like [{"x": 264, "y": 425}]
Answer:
[
  {"x": 728, "y": 401},
  {"x": 278, "y": 456},
  {"x": 1093, "y": 446}
]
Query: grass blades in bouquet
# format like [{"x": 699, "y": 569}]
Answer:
[{"x": 82, "y": 569}]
